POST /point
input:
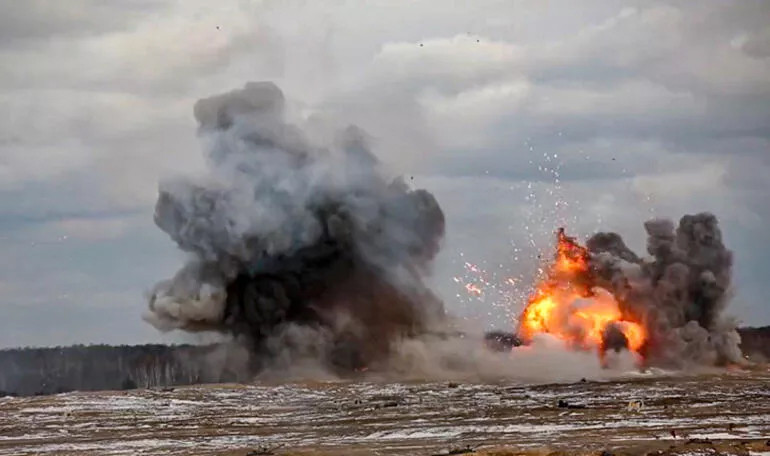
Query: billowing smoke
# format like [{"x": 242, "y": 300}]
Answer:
[
  {"x": 301, "y": 248},
  {"x": 295, "y": 246},
  {"x": 678, "y": 294}
]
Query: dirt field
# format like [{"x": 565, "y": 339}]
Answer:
[{"x": 727, "y": 413}]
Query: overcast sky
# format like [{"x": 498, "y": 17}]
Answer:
[{"x": 518, "y": 115}]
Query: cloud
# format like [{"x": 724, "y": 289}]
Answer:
[
  {"x": 91, "y": 229},
  {"x": 756, "y": 45},
  {"x": 41, "y": 19},
  {"x": 518, "y": 115}
]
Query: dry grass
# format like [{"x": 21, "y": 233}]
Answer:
[
  {"x": 717, "y": 447},
  {"x": 325, "y": 419}
]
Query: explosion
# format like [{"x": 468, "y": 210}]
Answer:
[
  {"x": 298, "y": 247},
  {"x": 666, "y": 307},
  {"x": 565, "y": 305}
]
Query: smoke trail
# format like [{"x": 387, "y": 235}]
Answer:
[
  {"x": 679, "y": 293},
  {"x": 293, "y": 245}
]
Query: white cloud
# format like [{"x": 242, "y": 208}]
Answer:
[
  {"x": 643, "y": 108},
  {"x": 95, "y": 230},
  {"x": 464, "y": 59}
]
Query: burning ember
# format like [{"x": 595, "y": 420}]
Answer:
[{"x": 566, "y": 305}]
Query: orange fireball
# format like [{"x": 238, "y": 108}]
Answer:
[{"x": 565, "y": 304}]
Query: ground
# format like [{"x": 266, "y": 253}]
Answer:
[{"x": 724, "y": 413}]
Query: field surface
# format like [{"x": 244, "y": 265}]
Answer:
[{"x": 727, "y": 413}]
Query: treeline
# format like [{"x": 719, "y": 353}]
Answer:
[{"x": 37, "y": 371}]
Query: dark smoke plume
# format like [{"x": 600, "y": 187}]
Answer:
[
  {"x": 678, "y": 294},
  {"x": 295, "y": 246}
]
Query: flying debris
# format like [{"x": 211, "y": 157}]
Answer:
[{"x": 296, "y": 248}]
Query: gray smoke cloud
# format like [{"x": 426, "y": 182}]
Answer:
[
  {"x": 678, "y": 293},
  {"x": 295, "y": 244},
  {"x": 304, "y": 250}
]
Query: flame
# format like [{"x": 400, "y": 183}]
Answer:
[{"x": 565, "y": 304}]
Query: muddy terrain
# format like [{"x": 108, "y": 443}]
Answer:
[{"x": 727, "y": 413}]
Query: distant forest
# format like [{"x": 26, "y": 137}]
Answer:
[{"x": 38, "y": 371}]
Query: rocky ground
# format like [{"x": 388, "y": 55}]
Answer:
[{"x": 726, "y": 413}]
